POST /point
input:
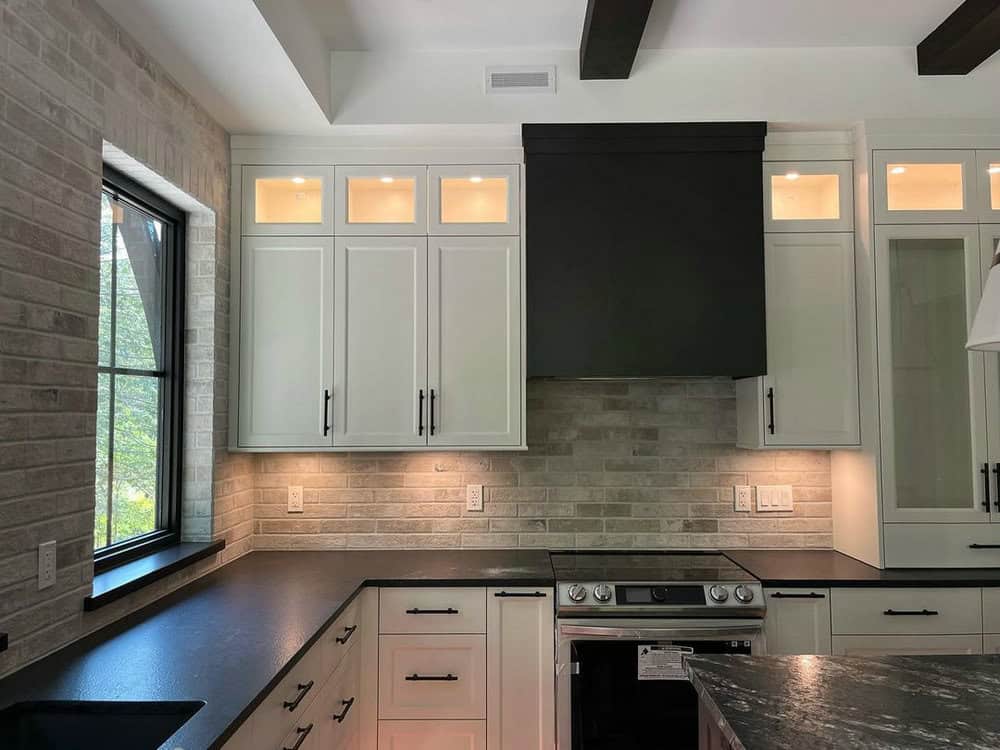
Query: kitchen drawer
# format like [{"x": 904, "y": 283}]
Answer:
[
  {"x": 338, "y": 703},
  {"x": 991, "y": 610},
  {"x": 911, "y": 611},
  {"x": 437, "y": 610},
  {"x": 341, "y": 636},
  {"x": 991, "y": 644},
  {"x": 906, "y": 645},
  {"x": 798, "y": 621},
  {"x": 308, "y": 726},
  {"x": 277, "y": 715},
  {"x": 942, "y": 545},
  {"x": 432, "y": 677},
  {"x": 432, "y": 735}
]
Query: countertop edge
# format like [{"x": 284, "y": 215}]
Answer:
[{"x": 709, "y": 704}]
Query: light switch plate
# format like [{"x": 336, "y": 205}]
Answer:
[
  {"x": 742, "y": 498},
  {"x": 774, "y": 497},
  {"x": 46, "y": 565},
  {"x": 295, "y": 498},
  {"x": 474, "y": 497}
]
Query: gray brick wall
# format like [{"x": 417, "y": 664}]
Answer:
[
  {"x": 71, "y": 80},
  {"x": 612, "y": 464}
]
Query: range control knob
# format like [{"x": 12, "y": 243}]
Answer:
[
  {"x": 602, "y": 592},
  {"x": 719, "y": 594},
  {"x": 576, "y": 593},
  {"x": 659, "y": 594},
  {"x": 743, "y": 594}
]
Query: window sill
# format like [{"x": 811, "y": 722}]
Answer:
[{"x": 113, "y": 584}]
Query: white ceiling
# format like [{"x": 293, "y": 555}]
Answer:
[{"x": 400, "y": 25}]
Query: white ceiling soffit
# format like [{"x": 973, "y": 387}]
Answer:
[
  {"x": 410, "y": 25},
  {"x": 224, "y": 53}
]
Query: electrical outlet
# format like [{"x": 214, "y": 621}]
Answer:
[
  {"x": 46, "y": 564},
  {"x": 474, "y": 497},
  {"x": 295, "y": 498},
  {"x": 774, "y": 497},
  {"x": 742, "y": 498}
]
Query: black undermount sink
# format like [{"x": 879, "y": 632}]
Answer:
[{"x": 83, "y": 725}]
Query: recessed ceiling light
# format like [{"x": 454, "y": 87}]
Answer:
[
  {"x": 791, "y": 175},
  {"x": 387, "y": 180},
  {"x": 898, "y": 170},
  {"x": 475, "y": 178},
  {"x": 298, "y": 180},
  {"x": 994, "y": 169}
]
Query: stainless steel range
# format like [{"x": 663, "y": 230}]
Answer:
[{"x": 625, "y": 624}]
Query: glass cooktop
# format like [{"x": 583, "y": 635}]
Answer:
[{"x": 663, "y": 567}]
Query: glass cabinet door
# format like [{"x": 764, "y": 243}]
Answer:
[
  {"x": 474, "y": 200},
  {"x": 988, "y": 170},
  {"x": 932, "y": 391},
  {"x": 989, "y": 243},
  {"x": 808, "y": 196},
  {"x": 924, "y": 187},
  {"x": 287, "y": 200},
  {"x": 381, "y": 200}
]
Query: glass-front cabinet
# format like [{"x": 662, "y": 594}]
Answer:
[
  {"x": 988, "y": 169},
  {"x": 808, "y": 196},
  {"x": 473, "y": 200},
  {"x": 384, "y": 200},
  {"x": 920, "y": 187},
  {"x": 938, "y": 408},
  {"x": 292, "y": 201}
]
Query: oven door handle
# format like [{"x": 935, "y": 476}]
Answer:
[{"x": 731, "y": 632}]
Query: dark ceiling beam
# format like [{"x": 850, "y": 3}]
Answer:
[
  {"x": 612, "y": 31},
  {"x": 965, "y": 39}
]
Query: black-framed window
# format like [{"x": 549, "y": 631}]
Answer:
[{"x": 140, "y": 372}]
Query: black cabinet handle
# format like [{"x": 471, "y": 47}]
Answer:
[
  {"x": 810, "y": 595},
  {"x": 433, "y": 397},
  {"x": 420, "y": 412},
  {"x": 326, "y": 412},
  {"x": 770, "y": 410},
  {"x": 911, "y": 612},
  {"x": 431, "y": 677},
  {"x": 348, "y": 632},
  {"x": 976, "y": 545},
  {"x": 303, "y": 688},
  {"x": 302, "y": 732},
  {"x": 985, "y": 471},
  {"x": 343, "y": 714},
  {"x": 996, "y": 474},
  {"x": 511, "y": 594},
  {"x": 417, "y": 611}
]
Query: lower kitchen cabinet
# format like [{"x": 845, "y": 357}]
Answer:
[
  {"x": 432, "y": 735},
  {"x": 907, "y": 611},
  {"x": 991, "y": 643},
  {"x": 797, "y": 621},
  {"x": 906, "y": 645}
]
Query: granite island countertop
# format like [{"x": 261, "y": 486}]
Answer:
[
  {"x": 229, "y": 637},
  {"x": 845, "y": 703}
]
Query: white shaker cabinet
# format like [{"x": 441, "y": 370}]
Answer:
[
  {"x": 798, "y": 621},
  {"x": 286, "y": 342},
  {"x": 809, "y": 397},
  {"x": 474, "y": 341},
  {"x": 287, "y": 200},
  {"x": 380, "y": 340}
]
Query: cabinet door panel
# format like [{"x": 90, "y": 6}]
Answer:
[
  {"x": 475, "y": 341},
  {"x": 906, "y": 611},
  {"x": 432, "y": 735},
  {"x": 925, "y": 187},
  {"x": 991, "y": 644},
  {"x": 286, "y": 341},
  {"x": 381, "y": 341},
  {"x": 798, "y": 621},
  {"x": 474, "y": 201},
  {"x": 989, "y": 246},
  {"x": 382, "y": 200},
  {"x": 288, "y": 200},
  {"x": 808, "y": 196},
  {"x": 811, "y": 341},
  {"x": 991, "y": 610},
  {"x": 988, "y": 171},
  {"x": 906, "y": 645}
]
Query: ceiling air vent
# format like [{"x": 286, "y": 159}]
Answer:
[{"x": 521, "y": 79}]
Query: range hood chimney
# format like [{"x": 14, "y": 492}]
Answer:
[{"x": 645, "y": 249}]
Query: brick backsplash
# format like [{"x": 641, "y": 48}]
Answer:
[{"x": 611, "y": 464}]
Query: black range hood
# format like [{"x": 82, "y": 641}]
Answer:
[{"x": 645, "y": 249}]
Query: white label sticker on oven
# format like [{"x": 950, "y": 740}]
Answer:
[{"x": 662, "y": 662}]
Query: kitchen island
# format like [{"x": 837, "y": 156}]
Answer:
[{"x": 827, "y": 702}]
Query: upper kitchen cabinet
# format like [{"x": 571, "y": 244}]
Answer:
[
  {"x": 925, "y": 187},
  {"x": 809, "y": 397},
  {"x": 383, "y": 200},
  {"x": 474, "y": 341},
  {"x": 474, "y": 200},
  {"x": 288, "y": 201},
  {"x": 808, "y": 196},
  {"x": 988, "y": 170},
  {"x": 286, "y": 342}
]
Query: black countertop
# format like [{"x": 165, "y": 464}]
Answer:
[
  {"x": 229, "y": 637},
  {"x": 842, "y": 703},
  {"x": 830, "y": 568}
]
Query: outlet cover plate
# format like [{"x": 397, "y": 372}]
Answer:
[
  {"x": 295, "y": 498},
  {"x": 474, "y": 497},
  {"x": 742, "y": 498},
  {"x": 774, "y": 497},
  {"x": 46, "y": 564}
]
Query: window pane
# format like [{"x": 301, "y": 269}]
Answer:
[
  {"x": 101, "y": 475},
  {"x": 106, "y": 259},
  {"x": 138, "y": 293},
  {"x": 136, "y": 433}
]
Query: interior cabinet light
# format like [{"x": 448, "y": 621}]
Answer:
[
  {"x": 475, "y": 178},
  {"x": 994, "y": 169},
  {"x": 898, "y": 170},
  {"x": 791, "y": 175},
  {"x": 298, "y": 180},
  {"x": 387, "y": 180}
]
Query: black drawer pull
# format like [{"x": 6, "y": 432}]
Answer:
[
  {"x": 511, "y": 594},
  {"x": 810, "y": 595},
  {"x": 326, "y": 413},
  {"x": 348, "y": 632},
  {"x": 907, "y": 612},
  {"x": 996, "y": 473},
  {"x": 985, "y": 471},
  {"x": 433, "y": 397},
  {"x": 343, "y": 714},
  {"x": 302, "y": 733},
  {"x": 431, "y": 677},
  {"x": 770, "y": 410},
  {"x": 976, "y": 545},
  {"x": 417, "y": 611},
  {"x": 303, "y": 688},
  {"x": 420, "y": 412}
]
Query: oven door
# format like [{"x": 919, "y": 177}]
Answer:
[{"x": 604, "y": 703}]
